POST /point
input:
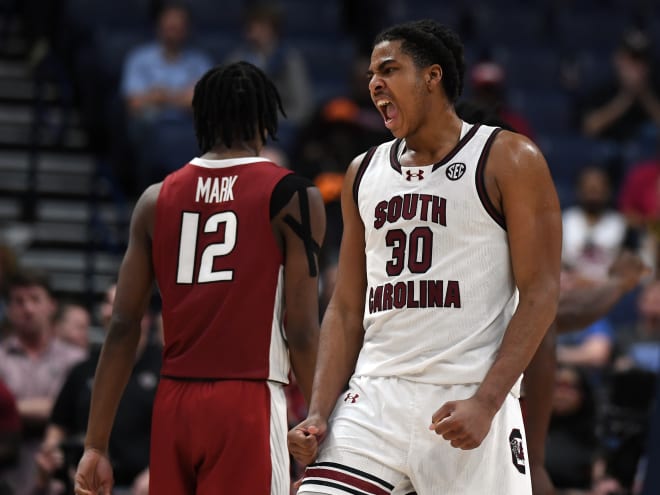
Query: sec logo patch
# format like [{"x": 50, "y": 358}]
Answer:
[{"x": 455, "y": 171}]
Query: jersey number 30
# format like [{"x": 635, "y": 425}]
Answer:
[{"x": 188, "y": 248}]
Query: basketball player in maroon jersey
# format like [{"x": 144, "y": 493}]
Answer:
[{"x": 231, "y": 240}]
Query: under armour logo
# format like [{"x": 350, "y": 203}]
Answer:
[
  {"x": 410, "y": 175},
  {"x": 351, "y": 397}
]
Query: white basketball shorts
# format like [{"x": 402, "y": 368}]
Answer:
[{"x": 379, "y": 443}]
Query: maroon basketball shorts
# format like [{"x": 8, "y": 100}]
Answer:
[{"x": 219, "y": 437}]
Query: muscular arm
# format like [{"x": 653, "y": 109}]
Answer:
[
  {"x": 342, "y": 332},
  {"x": 528, "y": 200},
  {"x": 581, "y": 306},
  {"x": 301, "y": 283},
  {"x": 134, "y": 287}
]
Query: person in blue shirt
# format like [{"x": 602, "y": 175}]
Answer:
[{"x": 157, "y": 86}]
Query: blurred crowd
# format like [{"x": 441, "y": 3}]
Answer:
[{"x": 592, "y": 104}]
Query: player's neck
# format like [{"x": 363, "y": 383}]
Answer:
[
  {"x": 240, "y": 150},
  {"x": 432, "y": 141}
]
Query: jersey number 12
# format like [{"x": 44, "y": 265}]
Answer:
[{"x": 188, "y": 247}]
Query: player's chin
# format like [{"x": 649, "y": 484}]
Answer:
[{"x": 398, "y": 132}]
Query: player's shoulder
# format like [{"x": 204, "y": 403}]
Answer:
[
  {"x": 145, "y": 206},
  {"x": 150, "y": 194},
  {"x": 512, "y": 150}
]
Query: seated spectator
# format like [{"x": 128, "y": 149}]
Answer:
[
  {"x": 624, "y": 429},
  {"x": 593, "y": 232},
  {"x": 593, "y": 239},
  {"x": 591, "y": 347},
  {"x": 638, "y": 347},
  {"x": 129, "y": 443},
  {"x": 10, "y": 426},
  {"x": 33, "y": 364},
  {"x": 10, "y": 434},
  {"x": 620, "y": 108},
  {"x": 157, "y": 84},
  {"x": 639, "y": 201},
  {"x": 571, "y": 444},
  {"x": 263, "y": 45},
  {"x": 489, "y": 91},
  {"x": 72, "y": 324}
]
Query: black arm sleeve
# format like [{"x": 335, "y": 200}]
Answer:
[{"x": 285, "y": 189}]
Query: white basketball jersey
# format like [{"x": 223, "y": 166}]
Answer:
[{"x": 440, "y": 287}]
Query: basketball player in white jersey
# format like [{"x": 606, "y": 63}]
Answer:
[{"x": 448, "y": 279}]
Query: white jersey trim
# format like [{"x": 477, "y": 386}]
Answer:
[
  {"x": 278, "y": 355},
  {"x": 226, "y": 163},
  {"x": 280, "y": 483}
]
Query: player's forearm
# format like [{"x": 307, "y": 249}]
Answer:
[
  {"x": 303, "y": 361},
  {"x": 579, "y": 308},
  {"x": 526, "y": 330},
  {"x": 112, "y": 374},
  {"x": 340, "y": 343},
  {"x": 538, "y": 383}
]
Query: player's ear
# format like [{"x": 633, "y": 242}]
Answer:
[{"x": 433, "y": 76}]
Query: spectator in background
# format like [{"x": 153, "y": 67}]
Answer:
[
  {"x": 593, "y": 237},
  {"x": 571, "y": 445},
  {"x": 638, "y": 346},
  {"x": 33, "y": 364},
  {"x": 639, "y": 201},
  {"x": 593, "y": 232},
  {"x": 72, "y": 324},
  {"x": 157, "y": 85},
  {"x": 62, "y": 445},
  {"x": 10, "y": 427},
  {"x": 264, "y": 47},
  {"x": 489, "y": 91},
  {"x": 619, "y": 109}
]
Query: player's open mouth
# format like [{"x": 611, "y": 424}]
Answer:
[{"x": 388, "y": 110}]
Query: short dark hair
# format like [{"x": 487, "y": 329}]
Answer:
[
  {"x": 429, "y": 42},
  {"x": 30, "y": 278},
  {"x": 234, "y": 102},
  {"x": 161, "y": 7},
  {"x": 265, "y": 12},
  {"x": 637, "y": 44}
]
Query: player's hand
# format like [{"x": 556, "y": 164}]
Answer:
[
  {"x": 464, "y": 423},
  {"x": 304, "y": 439},
  {"x": 629, "y": 269},
  {"x": 94, "y": 474}
]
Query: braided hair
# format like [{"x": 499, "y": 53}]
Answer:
[
  {"x": 234, "y": 102},
  {"x": 429, "y": 42}
]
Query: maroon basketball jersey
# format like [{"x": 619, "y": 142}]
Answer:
[{"x": 219, "y": 271}]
